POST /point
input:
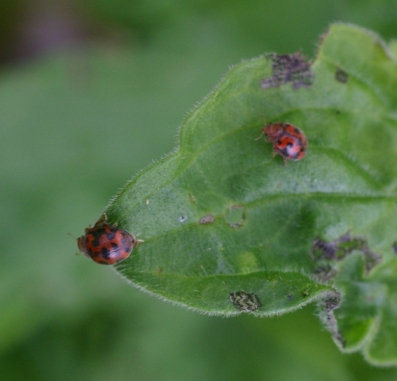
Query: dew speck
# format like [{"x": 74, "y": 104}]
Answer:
[{"x": 182, "y": 219}]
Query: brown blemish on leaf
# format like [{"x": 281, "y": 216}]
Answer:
[
  {"x": 331, "y": 302},
  {"x": 341, "y": 76},
  {"x": 325, "y": 272},
  {"x": 208, "y": 219},
  {"x": 292, "y": 68},
  {"x": 235, "y": 216},
  {"x": 245, "y": 302},
  {"x": 305, "y": 292},
  {"x": 341, "y": 247}
]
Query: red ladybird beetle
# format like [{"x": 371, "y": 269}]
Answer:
[
  {"x": 288, "y": 141},
  {"x": 106, "y": 244}
]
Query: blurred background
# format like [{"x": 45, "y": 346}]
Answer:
[{"x": 92, "y": 91}]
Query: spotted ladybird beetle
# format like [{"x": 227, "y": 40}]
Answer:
[
  {"x": 288, "y": 141},
  {"x": 106, "y": 244}
]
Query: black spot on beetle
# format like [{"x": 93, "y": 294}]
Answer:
[
  {"x": 105, "y": 252},
  {"x": 95, "y": 242},
  {"x": 110, "y": 235}
]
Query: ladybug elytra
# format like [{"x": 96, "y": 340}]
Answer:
[
  {"x": 288, "y": 141},
  {"x": 105, "y": 243}
]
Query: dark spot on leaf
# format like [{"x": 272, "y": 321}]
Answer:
[
  {"x": 394, "y": 247},
  {"x": 341, "y": 76},
  {"x": 341, "y": 247},
  {"x": 322, "y": 248},
  {"x": 305, "y": 292},
  {"x": 245, "y": 302},
  {"x": 290, "y": 296},
  {"x": 331, "y": 302},
  {"x": 208, "y": 219},
  {"x": 325, "y": 272},
  {"x": 292, "y": 68},
  {"x": 235, "y": 216}
]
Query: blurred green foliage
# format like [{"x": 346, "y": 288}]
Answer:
[{"x": 74, "y": 126}]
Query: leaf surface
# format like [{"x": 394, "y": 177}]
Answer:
[{"x": 221, "y": 216}]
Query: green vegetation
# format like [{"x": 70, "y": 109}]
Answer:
[
  {"x": 77, "y": 123},
  {"x": 342, "y": 191}
]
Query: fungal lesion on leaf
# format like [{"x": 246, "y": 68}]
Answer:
[
  {"x": 207, "y": 219},
  {"x": 327, "y": 252},
  {"x": 235, "y": 216},
  {"x": 325, "y": 272},
  {"x": 331, "y": 302},
  {"x": 293, "y": 68},
  {"x": 244, "y": 301},
  {"x": 305, "y": 292},
  {"x": 341, "y": 76}
]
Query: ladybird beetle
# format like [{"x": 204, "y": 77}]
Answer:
[
  {"x": 106, "y": 244},
  {"x": 288, "y": 141}
]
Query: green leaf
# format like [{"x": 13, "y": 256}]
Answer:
[{"x": 227, "y": 228}]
